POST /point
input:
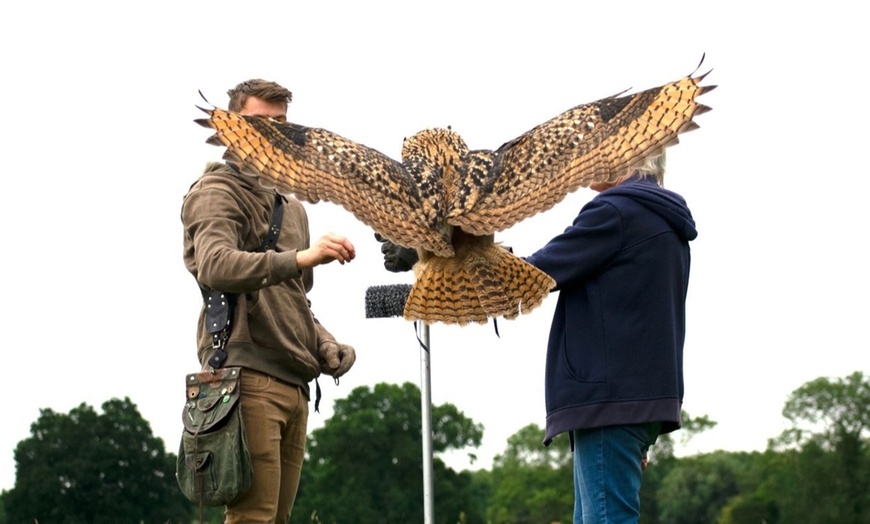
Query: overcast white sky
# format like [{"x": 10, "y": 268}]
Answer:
[{"x": 99, "y": 147}]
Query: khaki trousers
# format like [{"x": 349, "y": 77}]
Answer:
[{"x": 276, "y": 420}]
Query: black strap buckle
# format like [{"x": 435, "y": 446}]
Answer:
[
  {"x": 218, "y": 358},
  {"x": 218, "y": 315}
]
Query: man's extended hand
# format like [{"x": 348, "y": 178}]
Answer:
[{"x": 329, "y": 247}]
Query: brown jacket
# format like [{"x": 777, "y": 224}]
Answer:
[{"x": 225, "y": 217}]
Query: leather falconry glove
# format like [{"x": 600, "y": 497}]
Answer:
[{"x": 335, "y": 358}]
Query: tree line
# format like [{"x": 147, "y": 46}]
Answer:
[{"x": 365, "y": 466}]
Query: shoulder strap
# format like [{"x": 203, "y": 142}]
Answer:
[
  {"x": 219, "y": 306},
  {"x": 270, "y": 241}
]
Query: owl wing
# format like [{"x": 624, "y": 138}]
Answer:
[
  {"x": 315, "y": 164},
  {"x": 594, "y": 142}
]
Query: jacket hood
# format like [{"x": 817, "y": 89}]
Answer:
[{"x": 667, "y": 204}]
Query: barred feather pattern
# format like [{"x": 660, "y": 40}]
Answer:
[
  {"x": 481, "y": 281},
  {"x": 447, "y": 201}
]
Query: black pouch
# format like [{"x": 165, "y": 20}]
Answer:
[{"x": 214, "y": 464}]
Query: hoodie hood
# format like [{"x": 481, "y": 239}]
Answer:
[{"x": 667, "y": 204}]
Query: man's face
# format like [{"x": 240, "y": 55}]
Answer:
[{"x": 257, "y": 107}]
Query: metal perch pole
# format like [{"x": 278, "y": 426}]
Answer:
[
  {"x": 426, "y": 410},
  {"x": 389, "y": 301}
]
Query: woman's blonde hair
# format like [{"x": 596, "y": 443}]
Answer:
[{"x": 653, "y": 166}]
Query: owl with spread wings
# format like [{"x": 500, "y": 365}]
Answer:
[{"x": 447, "y": 201}]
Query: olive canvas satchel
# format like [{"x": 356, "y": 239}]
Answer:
[{"x": 214, "y": 465}]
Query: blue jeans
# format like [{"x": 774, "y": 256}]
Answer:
[{"x": 607, "y": 472}]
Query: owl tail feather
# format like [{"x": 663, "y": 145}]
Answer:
[{"x": 475, "y": 286}]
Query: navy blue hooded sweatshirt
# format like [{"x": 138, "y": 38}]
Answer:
[{"x": 615, "y": 352}]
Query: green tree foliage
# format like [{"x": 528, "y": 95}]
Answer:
[
  {"x": 532, "y": 483},
  {"x": 752, "y": 508},
  {"x": 691, "y": 426},
  {"x": 366, "y": 463},
  {"x": 85, "y": 467},
  {"x": 697, "y": 488},
  {"x": 832, "y": 413},
  {"x": 796, "y": 481},
  {"x": 662, "y": 460},
  {"x": 822, "y": 472}
]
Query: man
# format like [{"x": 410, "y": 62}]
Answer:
[
  {"x": 614, "y": 369},
  {"x": 274, "y": 335}
]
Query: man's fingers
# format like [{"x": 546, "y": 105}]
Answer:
[
  {"x": 348, "y": 357},
  {"x": 329, "y": 353},
  {"x": 337, "y": 247}
]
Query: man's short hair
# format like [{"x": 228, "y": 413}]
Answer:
[{"x": 265, "y": 90}]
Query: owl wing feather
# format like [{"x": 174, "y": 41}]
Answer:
[
  {"x": 493, "y": 190},
  {"x": 594, "y": 142},
  {"x": 315, "y": 164}
]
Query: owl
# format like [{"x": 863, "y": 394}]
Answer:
[{"x": 448, "y": 201}]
